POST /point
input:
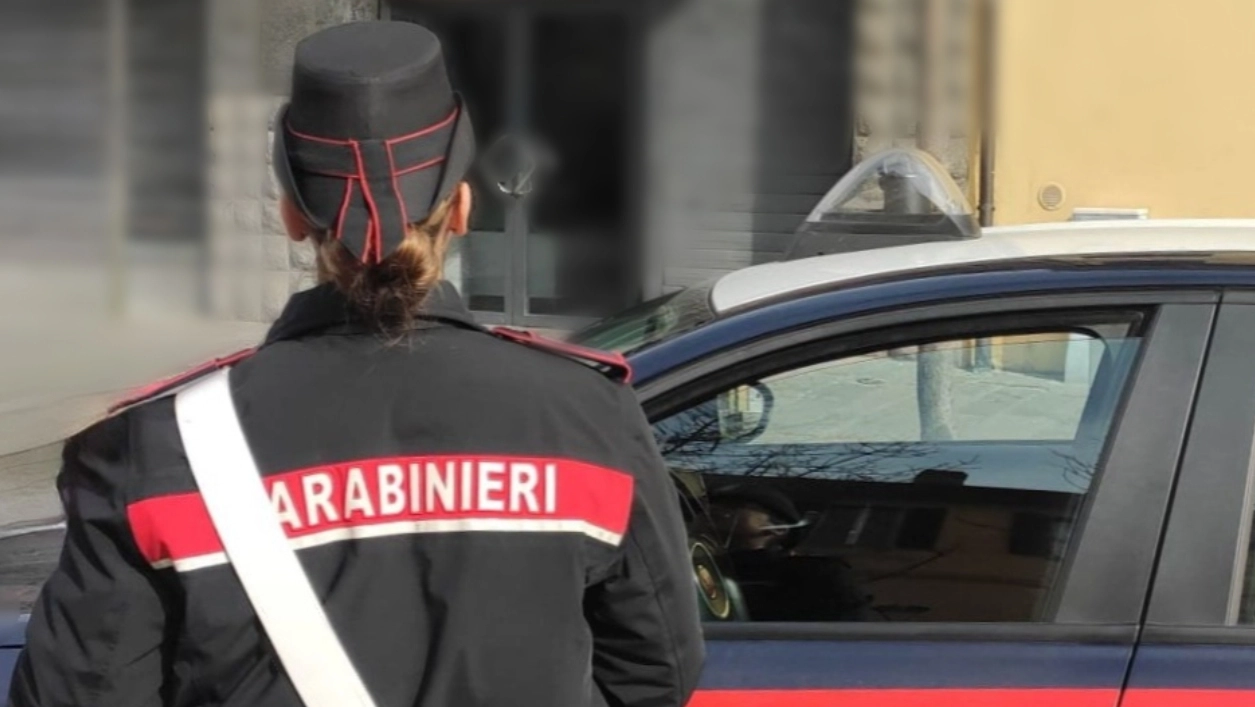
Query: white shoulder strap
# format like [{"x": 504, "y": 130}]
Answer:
[{"x": 258, "y": 549}]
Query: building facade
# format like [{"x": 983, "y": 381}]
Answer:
[
  {"x": 1123, "y": 104},
  {"x": 676, "y": 139},
  {"x": 672, "y": 140}
]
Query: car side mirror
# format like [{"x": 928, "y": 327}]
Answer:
[{"x": 744, "y": 412}]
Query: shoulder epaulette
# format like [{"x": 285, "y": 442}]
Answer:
[
  {"x": 613, "y": 365},
  {"x": 165, "y": 385}
]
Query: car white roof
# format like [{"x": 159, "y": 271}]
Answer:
[{"x": 1006, "y": 243}]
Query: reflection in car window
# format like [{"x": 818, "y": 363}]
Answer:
[
  {"x": 1029, "y": 407},
  {"x": 813, "y": 495},
  {"x": 30, "y": 525},
  {"x": 651, "y": 322}
]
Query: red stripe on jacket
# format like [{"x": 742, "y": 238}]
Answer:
[{"x": 406, "y": 495}]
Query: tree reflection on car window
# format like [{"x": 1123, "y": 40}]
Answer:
[{"x": 816, "y": 496}]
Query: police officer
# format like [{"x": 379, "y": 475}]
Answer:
[{"x": 478, "y": 518}]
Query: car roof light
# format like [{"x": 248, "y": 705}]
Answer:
[{"x": 896, "y": 197}]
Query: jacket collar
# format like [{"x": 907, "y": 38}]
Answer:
[{"x": 325, "y": 310}]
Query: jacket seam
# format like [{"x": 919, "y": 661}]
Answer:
[
  {"x": 672, "y": 645},
  {"x": 643, "y": 442}
]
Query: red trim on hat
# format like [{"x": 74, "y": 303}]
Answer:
[
  {"x": 373, "y": 246},
  {"x": 418, "y": 167},
  {"x": 315, "y": 138},
  {"x": 391, "y": 141},
  {"x": 427, "y": 130},
  {"x": 374, "y": 235},
  {"x": 396, "y": 188},
  {"x": 344, "y": 207},
  {"x": 328, "y": 173}
]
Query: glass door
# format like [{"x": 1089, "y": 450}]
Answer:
[
  {"x": 552, "y": 89},
  {"x": 581, "y": 253}
]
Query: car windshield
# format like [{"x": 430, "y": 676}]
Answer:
[{"x": 651, "y": 322}]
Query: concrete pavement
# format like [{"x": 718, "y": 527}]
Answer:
[
  {"x": 57, "y": 375},
  {"x": 56, "y": 378}
]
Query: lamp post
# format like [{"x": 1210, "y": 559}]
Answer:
[{"x": 936, "y": 413}]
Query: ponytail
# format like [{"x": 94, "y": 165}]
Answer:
[{"x": 390, "y": 294}]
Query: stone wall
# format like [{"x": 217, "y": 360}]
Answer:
[
  {"x": 887, "y": 88},
  {"x": 254, "y": 267}
]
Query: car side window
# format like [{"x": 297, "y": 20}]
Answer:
[{"x": 939, "y": 481}]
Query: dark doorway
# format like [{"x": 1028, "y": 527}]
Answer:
[
  {"x": 167, "y": 62},
  {"x": 554, "y": 85}
]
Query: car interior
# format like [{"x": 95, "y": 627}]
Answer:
[{"x": 815, "y": 523}]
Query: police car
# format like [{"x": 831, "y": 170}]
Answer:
[{"x": 1009, "y": 468}]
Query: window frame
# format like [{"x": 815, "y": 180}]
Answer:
[
  {"x": 1197, "y": 590},
  {"x": 1140, "y": 459}
]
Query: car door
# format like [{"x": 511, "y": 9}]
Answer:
[
  {"x": 12, "y": 638},
  {"x": 1198, "y": 647},
  {"x": 952, "y": 505}
]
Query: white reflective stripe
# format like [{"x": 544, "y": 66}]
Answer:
[
  {"x": 413, "y": 527},
  {"x": 190, "y": 564},
  {"x": 253, "y": 539}
]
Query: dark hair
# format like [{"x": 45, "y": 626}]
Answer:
[{"x": 389, "y": 294}]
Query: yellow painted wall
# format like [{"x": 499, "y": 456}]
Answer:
[{"x": 1125, "y": 103}]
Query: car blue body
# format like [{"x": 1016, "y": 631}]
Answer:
[
  {"x": 1163, "y": 641},
  {"x": 1149, "y": 607},
  {"x": 11, "y": 638}
]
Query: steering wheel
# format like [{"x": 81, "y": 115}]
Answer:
[{"x": 719, "y": 597}]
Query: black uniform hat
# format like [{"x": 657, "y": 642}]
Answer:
[{"x": 374, "y": 136}]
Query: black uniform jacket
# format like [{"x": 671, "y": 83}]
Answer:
[{"x": 486, "y": 523}]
